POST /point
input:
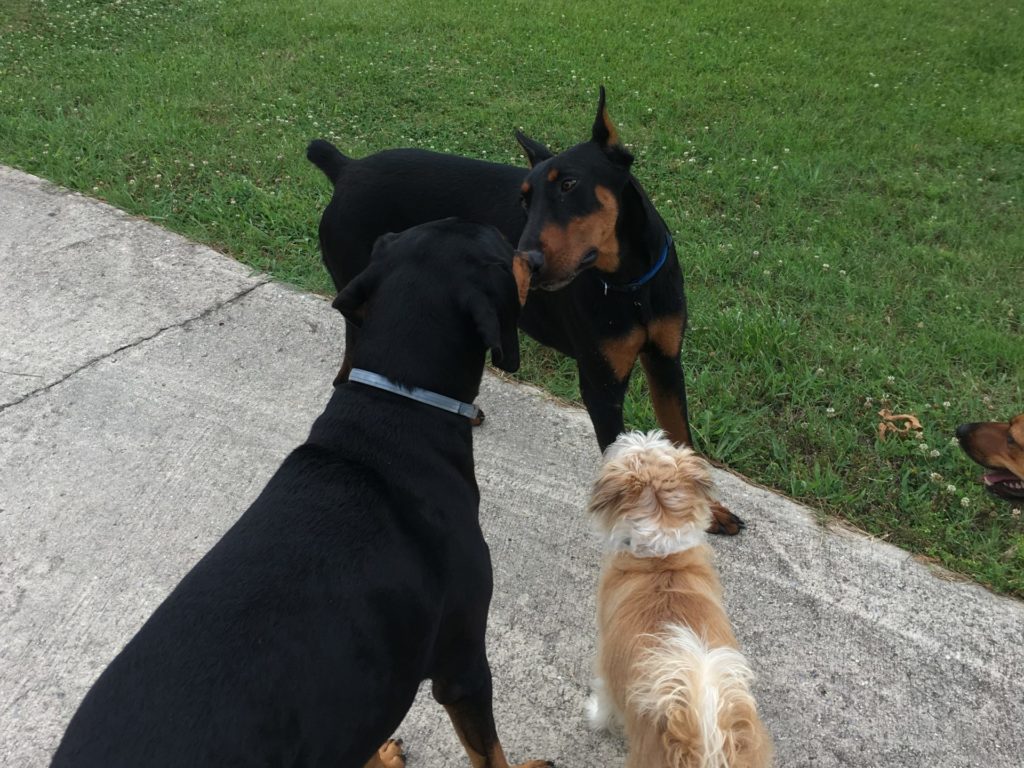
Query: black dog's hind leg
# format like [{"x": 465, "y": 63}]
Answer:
[{"x": 471, "y": 713}]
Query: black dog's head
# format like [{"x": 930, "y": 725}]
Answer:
[
  {"x": 573, "y": 201},
  {"x": 433, "y": 300},
  {"x": 998, "y": 446}
]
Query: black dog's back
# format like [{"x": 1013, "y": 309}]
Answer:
[
  {"x": 434, "y": 186},
  {"x": 256, "y": 638}
]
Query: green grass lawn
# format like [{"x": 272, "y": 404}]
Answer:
[{"x": 844, "y": 181}]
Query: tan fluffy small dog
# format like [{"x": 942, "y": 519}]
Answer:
[{"x": 668, "y": 666}]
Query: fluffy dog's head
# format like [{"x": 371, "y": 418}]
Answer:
[{"x": 652, "y": 497}]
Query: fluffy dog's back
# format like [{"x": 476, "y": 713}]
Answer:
[{"x": 699, "y": 699}]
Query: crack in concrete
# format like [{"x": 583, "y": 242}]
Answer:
[{"x": 136, "y": 342}]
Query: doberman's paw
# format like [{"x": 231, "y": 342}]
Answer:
[
  {"x": 390, "y": 755},
  {"x": 724, "y": 522},
  {"x": 480, "y": 416}
]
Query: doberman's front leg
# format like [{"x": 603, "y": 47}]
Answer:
[
  {"x": 604, "y": 380},
  {"x": 663, "y": 366},
  {"x": 668, "y": 393},
  {"x": 471, "y": 713}
]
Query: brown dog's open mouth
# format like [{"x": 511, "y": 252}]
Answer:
[{"x": 1005, "y": 485}]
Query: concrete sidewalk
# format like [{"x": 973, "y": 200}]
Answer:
[{"x": 149, "y": 387}]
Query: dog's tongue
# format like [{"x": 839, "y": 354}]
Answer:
[{"x": 992, "y": 478}]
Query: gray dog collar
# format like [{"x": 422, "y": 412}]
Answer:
[{"x": 425, "y": 396}]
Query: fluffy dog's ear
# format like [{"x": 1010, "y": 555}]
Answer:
[
  {"x": 535, "y": 151},
  {"x": 498, "y": 333},
  {"x": 695, "y": 471},
  {"x": 605, "y": 135},
  {"x": 608, "y": 496}
]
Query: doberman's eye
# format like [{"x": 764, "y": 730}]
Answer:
[{"x": 568, "y": 184}]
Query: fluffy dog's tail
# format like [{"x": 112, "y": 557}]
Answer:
[
  {"x": 327, "y": 157},
  {"x": 700, "y": 700}
]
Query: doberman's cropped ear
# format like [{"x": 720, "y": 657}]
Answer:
[
  {"x": 605, "y": 135},
  {"x": 535, "y": 151},
  {"x": 498, "y": 333}
]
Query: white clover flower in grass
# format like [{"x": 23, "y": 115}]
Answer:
[
  {"x": 935, "y": 477},
  {"x": 919, "y": 436},
  {"x": 954, "y": 441},
  {"x": 830, "y": 411},
  {"x": 923, "y": 448},
  {"x": 946, "y": 404},
  {"x": 965, "y": 502},
  {"x": 950, "y": 488},
  {"x": 934, "y": 453}
]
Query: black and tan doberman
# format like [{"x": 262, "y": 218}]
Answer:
[{"x": 610, "y": 291}]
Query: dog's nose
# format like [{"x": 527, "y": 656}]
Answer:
[
  {"x": 963, "y": 431},
  {"x": 536, "y": 261}
]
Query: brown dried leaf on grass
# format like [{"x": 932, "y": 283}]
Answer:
[{"x": 897, "y": 423}]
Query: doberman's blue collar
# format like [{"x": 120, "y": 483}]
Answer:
[
  {"x": 425, "y": 396},
  {"x": 641, "y": 281}
]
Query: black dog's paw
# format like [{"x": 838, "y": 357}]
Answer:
[
  {"x": 724, "y": 522},
  {"x": 480, "y": 416},
  {"x": 390, "y": 755}
]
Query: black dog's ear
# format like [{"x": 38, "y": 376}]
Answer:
[
  {"x": 499, "y": 335},
  {"x": 605, "y": 135},
  {"x": 351, "y": 301},
  {"x": 535, "y": 151}
]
